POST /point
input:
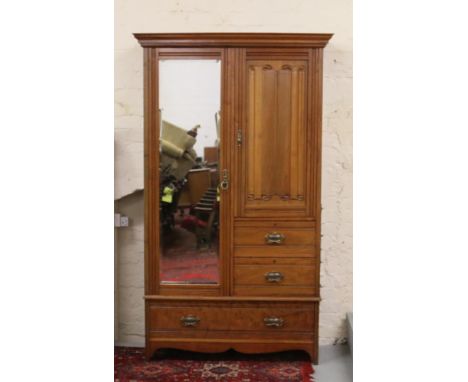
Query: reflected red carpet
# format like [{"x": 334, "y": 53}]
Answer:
[
  {"x": 183, "y": 263},
  {"x": 190, "y": 267}
]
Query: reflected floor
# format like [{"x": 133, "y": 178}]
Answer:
[{"x": 183, "y": 263}]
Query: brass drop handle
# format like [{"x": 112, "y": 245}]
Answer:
[
  {"x": 224, "y": 185},
  {"x": 274, "y": 322},
  {"x": 274, "y": 277},
  {"x": 274, "y": 238},
  {"x": 189, "y": 320}
]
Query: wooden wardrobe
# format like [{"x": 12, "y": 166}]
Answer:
[{"x": 235, "y": 264}]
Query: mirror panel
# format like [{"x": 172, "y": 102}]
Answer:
[{"x": 189, "y": 102}]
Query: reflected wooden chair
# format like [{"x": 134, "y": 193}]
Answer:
[{"x": 206, "y": 211}]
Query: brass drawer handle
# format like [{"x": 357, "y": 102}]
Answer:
[
  {"x": 274, "y": 322},
  {"x": 274, "y": 277},
  {"x": 189, "y": 320},
  {"x": 274, "y": 238}
]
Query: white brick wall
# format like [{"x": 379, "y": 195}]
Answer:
[
  {"x": 327, "y": 16},
  {"x": 130, "y": 309}
]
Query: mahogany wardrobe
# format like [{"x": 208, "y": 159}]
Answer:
[{"x": 232, "y": 132}]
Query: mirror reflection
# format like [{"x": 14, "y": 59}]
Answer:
[{"x": 189, "y": 101}]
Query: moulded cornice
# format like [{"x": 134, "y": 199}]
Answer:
[{"x": 304, "y": 40}]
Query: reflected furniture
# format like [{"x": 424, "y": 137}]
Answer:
[
  {"x": 198, "y": 181},
  {"x": 177, "y": 153},
  {"x": 211, "y": 154},
  {"x": 267, "y": 228}
]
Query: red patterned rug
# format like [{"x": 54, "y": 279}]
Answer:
[{"x": 177, "y": 366}]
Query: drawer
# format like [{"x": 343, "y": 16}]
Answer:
[
  {"x": 275, "y": 223},
  {"x": 275, "y": 279},
  {"x": 275, "y": 274},
  {"x": 273, "y": 261},
  {"x": 277, "y": 251},
  {"x": 250, "y": 317},
  {"x": 273, "y": 236},
  {"x": 275, "y": 291}
]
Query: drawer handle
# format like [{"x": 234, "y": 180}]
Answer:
[
  {"x": 274, "y": 238},
  {"x": 189, "y": 320},
  {"x": 274, "y": 277},
  {"x": 274, "y": 322}
]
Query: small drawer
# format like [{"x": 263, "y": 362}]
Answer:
[
  {"x": 224, "y": 318},
  {"x": 275, "y": 291},
  {"x": 265, "y": 275},
  {"x": 277, "y": 251},
  {"x": 274, "y": 261},
  {"x": 274, "y": 236}
]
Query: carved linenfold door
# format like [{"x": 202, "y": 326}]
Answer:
[{"x": 275, "y": 153}]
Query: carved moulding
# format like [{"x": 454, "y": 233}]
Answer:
[{"x": 266, "y": 197}]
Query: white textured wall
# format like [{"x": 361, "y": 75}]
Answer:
[{"x": 308, "y": 16}]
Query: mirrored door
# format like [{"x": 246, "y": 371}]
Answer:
[{"x": 189, "y": 174}]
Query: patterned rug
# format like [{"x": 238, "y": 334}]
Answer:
[{"x": 178, "y": 366}]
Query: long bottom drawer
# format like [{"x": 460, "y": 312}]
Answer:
[
  {"x": 193, "y": 316},
  {"x": 247, "y": 326}
]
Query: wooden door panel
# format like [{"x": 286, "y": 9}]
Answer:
[{"x": 275, "y": 172}]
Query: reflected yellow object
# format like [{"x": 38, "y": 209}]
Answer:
[{"x": 167, "y": 195}]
